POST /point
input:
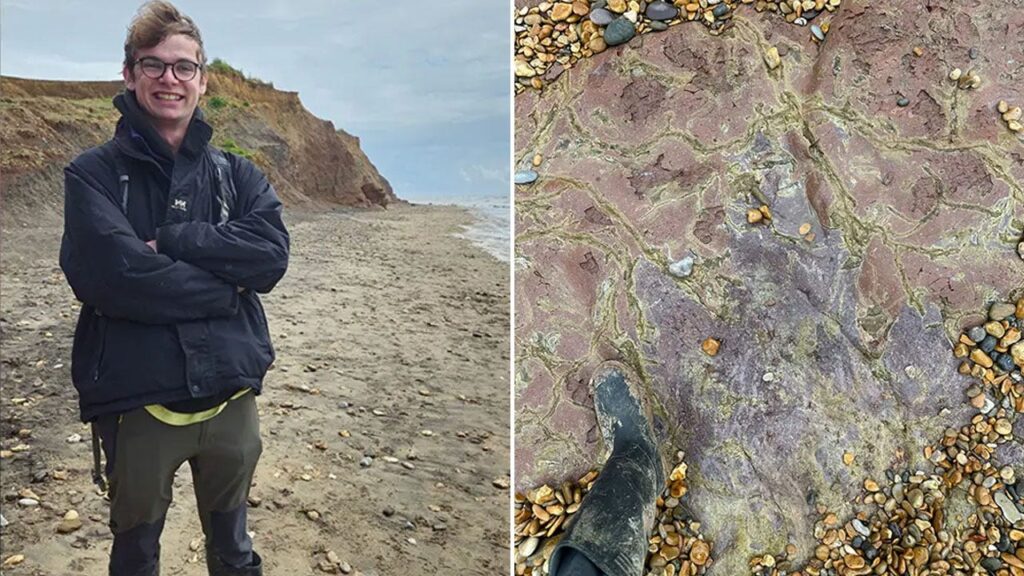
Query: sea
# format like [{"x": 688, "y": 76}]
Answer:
[{"x": 491, "y": 229}]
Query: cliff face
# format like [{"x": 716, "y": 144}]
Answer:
[{"x": 44, "y": 124}]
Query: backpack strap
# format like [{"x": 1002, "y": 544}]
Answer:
[
  {"x": 122, "y": 179},
  {"x": 97, "y": 470},
  {"x": 226, "y": 193}
]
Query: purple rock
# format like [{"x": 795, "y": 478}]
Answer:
[
  {"x": 601, "y": 17},
  {"x": 661, "y": 11}
]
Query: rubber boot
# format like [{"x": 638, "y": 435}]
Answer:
[
  {"x": 614, "y": 520},
  {"x": 218, "y": 568}
]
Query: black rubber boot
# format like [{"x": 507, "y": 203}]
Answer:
[
  {"x": 613, "y": 522},
  {"x": 218, "y": 568}
]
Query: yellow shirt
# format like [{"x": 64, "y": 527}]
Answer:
[{"x": 172, "y": 418}]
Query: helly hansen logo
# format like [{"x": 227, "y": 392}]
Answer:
[{"x": 180, "y": 204}]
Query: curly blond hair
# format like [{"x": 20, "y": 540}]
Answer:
[{"x": 154, "y": 22}]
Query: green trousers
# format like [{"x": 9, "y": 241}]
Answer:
[{"x": 143, "y": 454}]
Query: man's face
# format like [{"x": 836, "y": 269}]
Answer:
[{"x": 167, "y": 99}]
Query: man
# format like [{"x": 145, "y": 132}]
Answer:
[{"x": 166, "y": 242}]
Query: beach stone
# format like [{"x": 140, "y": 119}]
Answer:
[
  {"x": 995, "y": 328},
  {"x": 988, "y": 344},
  {"x": 903, "y": 102},
  {"x": 1017, "y": 353},
  {"x": 528, "y": 547},
  {"x": 658, "y": 25},
  {"x": 1009, "y": 510},
  {"x": 28, "y": 502},
  {"x": 619, "y": 31},
  {"x": 525, "y": 177},
  {"x": 1001, "y": 310},
  {"x": 561, "y": 11},
  {"x": 720, "y": 10},
  {"x": 661, "y": 11},
  {"x": 69, "y": 524},
  {"x": 601, "y": 17},
  {"x": 681, "y": 268},
  {"x": 991, "y": 564},
  {"x": 817, "y": 33},
  {"x": 977, "y": 334},
  {"x": 1005, "y": 362},
  {"x": 366, "y": 462}
]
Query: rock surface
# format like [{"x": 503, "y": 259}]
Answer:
[{"x": 661, "y": 147}]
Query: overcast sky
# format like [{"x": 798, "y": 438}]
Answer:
[{"x": 425, "y": 86}]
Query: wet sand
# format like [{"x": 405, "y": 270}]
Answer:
[{"x": 392, "y": 341}]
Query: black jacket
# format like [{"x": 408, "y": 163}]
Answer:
[{"x": 167, "y": 326}]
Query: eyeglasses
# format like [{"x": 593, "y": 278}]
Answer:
[{"x": 183, "y": 70}]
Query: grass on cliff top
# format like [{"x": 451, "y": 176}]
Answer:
[
  {"x": 229, "y": 145},
  {"x": 221, "y": 67}
]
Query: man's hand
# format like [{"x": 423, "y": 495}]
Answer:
[{"x": 152, "y": 244}]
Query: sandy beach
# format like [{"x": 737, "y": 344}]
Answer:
[{"x": 385, "y": 418}]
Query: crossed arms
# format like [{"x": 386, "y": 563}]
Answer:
[{"x": 199, "y": 268}]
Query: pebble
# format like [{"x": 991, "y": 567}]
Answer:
[
  {"x": 1001, "y": 310},
  {"x": 658, "y": 26},
  {"x": 903, "y": 102},
  {"x": 525, "y": 177},
  {"x": 860, "y": 528},
  {"x": 28, "y": 502},
  {"x": 70, "y": 523},
  {"x": 661, "y": 11},
  {"x": 991, "y": 564},
  {"x": 74, "y": 438},
  {"x": 710, "y": 346},
  {"x": 817, "y": 33},
  {"x": 366, "y": 462},
  {"x": 601, "y": 17},
  {"x": 681, "y": 268},
  {"x": 720, "y": 10},
  {"x": 977, "y": 334},
  {"x": 773, "y": 60},
  {"x": 620, "y": 31},
  {"x": 1010, "y": 512},
  {"x": 3, "y": 521}
]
